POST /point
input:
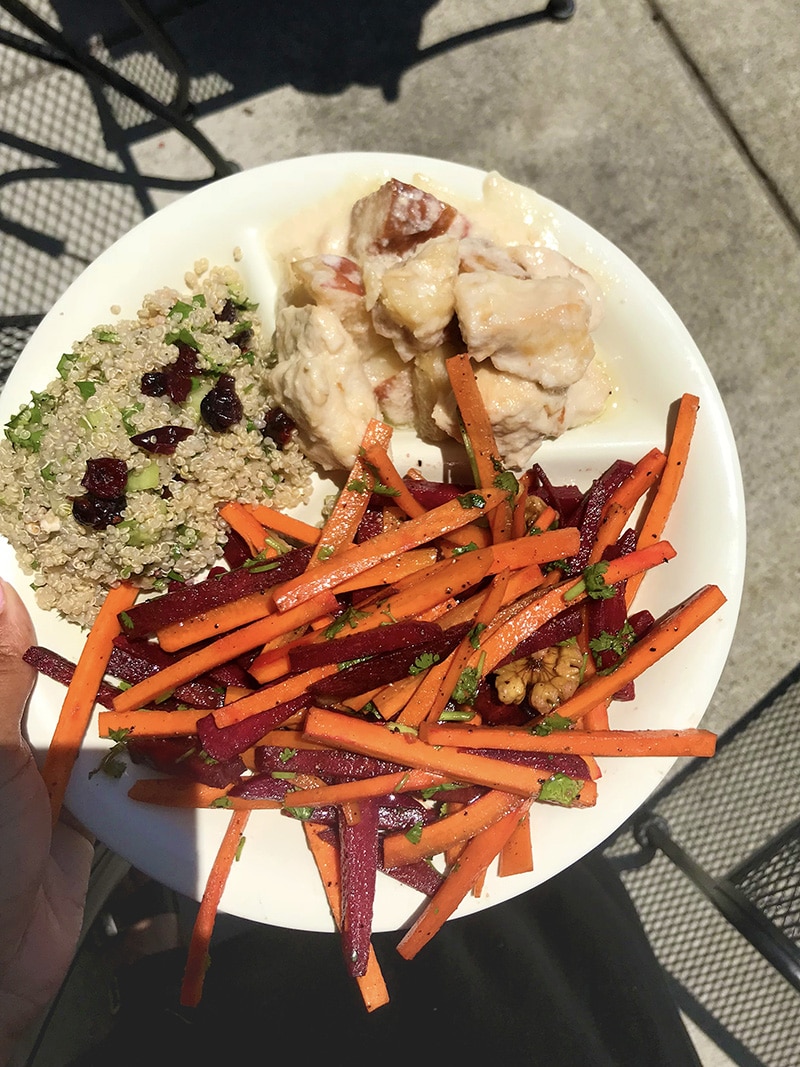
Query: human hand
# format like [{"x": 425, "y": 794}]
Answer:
[{"x": 45, "y": 873}]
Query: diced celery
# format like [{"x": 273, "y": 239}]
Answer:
[{"x": 146, "y": 478}]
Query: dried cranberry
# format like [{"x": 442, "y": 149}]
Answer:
[
  {"x": 242, "y": 339},
  {"x": 221, "y": 407},
  {"x": 179, "y": 373},
  {"x": 163, "y": 440},
  {"x": 93, "y": 511},
  {"x": 154, "y": 383},
  {"x": 279, "y": 427},
  {"x": 105, "y": 478},
  {"x": 228, "y": 312}
]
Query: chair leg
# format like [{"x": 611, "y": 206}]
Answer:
[{"x": 652, "y": 831}]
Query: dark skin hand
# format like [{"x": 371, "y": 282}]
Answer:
[{"x": 45, "y": 872}]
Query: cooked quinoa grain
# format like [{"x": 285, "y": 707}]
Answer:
[{"x": 166, "y": 524}]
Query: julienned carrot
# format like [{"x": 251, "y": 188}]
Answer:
[
  {"x": 479, "y": 438},
  {"x": 374, "y": 739},
  {"x": 223, "y": 650},
  {"x": 283, "y": 524},
  {"x": 380, "y": 785},
  {"x": 597, "y": 717},
  {"x": 215, "y": 621},
  {"x": 545, "y": 519},
  {"x": 516, "y": 856},
  {"x": 326, "y": 856},
  {"x": 505, "y": 637},
  {"x": 655, "y": 520},
  {"x": 660, "y": 639},
  {"x": 339, "y": 530},
  {"x": 197, "y": 958},
  {"x": 393, "y": 570},
  {"x": 684, "y": 742},
  {"x": 444, "y": 833},
  {"x": 431, "y": 696},
  {"x": 377, "y": 457},
  {"x": 356, "y": 559},
  {"x": 620, "y": 505},
  {"x": 79, "y": 701},
  {"x": 175, "y": 792},
  {"x": 145, "y": 722},
  {"x": 240, "y": 520},
  {"x": 271, "y": 696},
  {"x": 472, "y": 863}
]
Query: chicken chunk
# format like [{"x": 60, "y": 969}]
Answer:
[
  {"x": 320, "y": 382},
  {"x": 417, "y": 297},
  {"x": 535, "y": 328}
]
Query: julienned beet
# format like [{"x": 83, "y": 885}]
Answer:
[{"x": 122, "y": 392}]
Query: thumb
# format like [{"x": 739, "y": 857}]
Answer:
[{"x": 16, "y": 676}]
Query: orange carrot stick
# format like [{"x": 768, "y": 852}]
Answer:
[
  {"x": 223, "y": 650},
  {"x": 662, "y": 637},
  {"x": 683, "y": 742},
  {"x": 597, "y": 717},
  {"x": 451, "y": 830},
  {"x": 146, "y": 722},
  {"x": 403, "y": 567},
  {"x": 79, "y": 700},
  {"x": 472, "y": 864},
  {"x": 655, "y": 520},
  {"x": 326, "y": 856},
  {"x": 507, "y": 635},
  {"x": 363, "y": 788},
  {"x": 283, "y": 524},
  {"x": 248, "y": 528},
  {"x": 215, "y": 621},
  {"x": 378, "y": 459},
  {"x": 431, "y": 696},
  {"x": 271, "y": 696},
  {"x": 339, "y": 530},
  {"x": 620, "y": 506},
  {"x": 197, "y": 959},
  {"x": 412, "y": 533},
  {"x": 375, "y": 739},
  {"x": 479, "y": 438},
  {"x": 177, "y": 793},
  {"x": 516, "y": 856}
]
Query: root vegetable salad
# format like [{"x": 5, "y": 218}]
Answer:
[{"x": 405, "y": 681}]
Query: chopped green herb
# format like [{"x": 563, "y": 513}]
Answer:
[
  {"x": 349, "y": 617},
  {"x": 550, "y": 724},
  {"x": 183, "y": 335},
  {"x": 560, "y": 789},
  {"x": 27, "y": 427},
  {"x": 414, "y": 833},
  {"x": 466, "y": 687},
  {"x": 423, "y": 662},
  {"x": 86, "y": 389},
  {"x": 110, "y": 337},
  {"x": 471, "y": 500},
  {"x": 459, "y": 550},
  {"x": 63, "y": 366},
  {"x": 111, "y": 764}
]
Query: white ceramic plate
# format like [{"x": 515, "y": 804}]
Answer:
[{"x": 653, "y": 361}]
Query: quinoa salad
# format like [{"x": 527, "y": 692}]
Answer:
[{"x": 117, "y": 468}]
